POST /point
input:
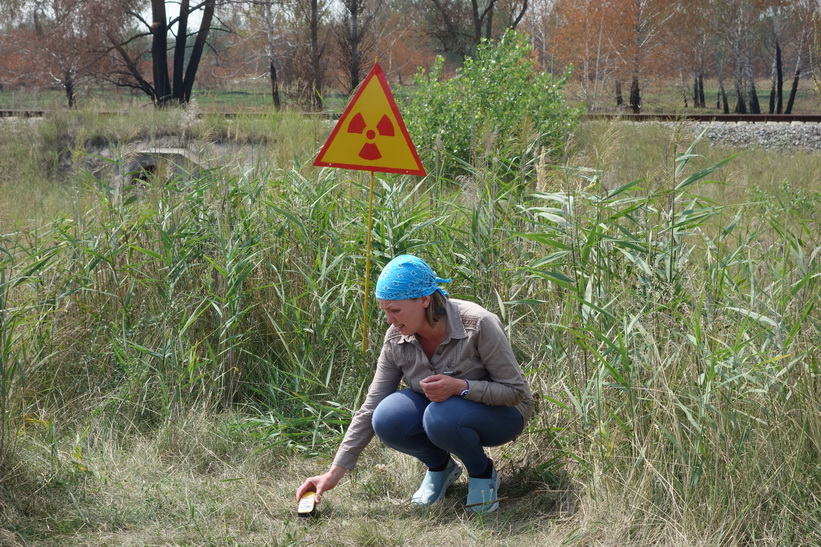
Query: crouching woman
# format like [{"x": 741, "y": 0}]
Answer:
[{"x": 464, "y": 389}]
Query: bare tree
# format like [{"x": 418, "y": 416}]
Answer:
[
  {"x": 310, "y": 17},
  {"x": 741, "y": 24},
  {"x": 584, "y": 39},
  {"x": 171, "y": 82},
  {"x": 355, "y": 38},
  {"x": 270, "y": 19},
  {"x": 263, "y": 30},
  {"x": 442, "y": 19},
  {"x": 55, "y": 40},
  {"x": 807, "y": 14},
  {"x": 777, "y": 89},
  {"x": 267, "y": 18},
  {"x": 693, "y": 53},
  {"x": 815, "y": 52},
  {"x": 540, "y": 24},
  {"x": 749, "y": 72},
  {"x": 649, "y": 18},
  {"x": 460, "y": 26},
  {"x": 729, "y": 24}
]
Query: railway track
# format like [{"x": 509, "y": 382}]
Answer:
[
  {"x": 726, "y": 118},
  {"x": 18, "y": 113}
]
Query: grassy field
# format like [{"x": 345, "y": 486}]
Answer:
[
  {"x": 667, "y": 96},
  {"x": 254, "y": 97},
  {"x": 176, "y": 357}
]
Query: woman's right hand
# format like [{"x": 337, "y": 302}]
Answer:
[{"x": 321, "y": 483}]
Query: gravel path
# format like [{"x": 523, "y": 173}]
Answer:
[{"x": 782, "y": 136}]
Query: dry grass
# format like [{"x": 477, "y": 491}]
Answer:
[
  {"x": 678, "y": 397},
  {"x": 201, "y": 482}
]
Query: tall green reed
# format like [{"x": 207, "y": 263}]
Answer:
[
  {"x": 311, "y": 311},
  {"x": 673, "y": 344}
]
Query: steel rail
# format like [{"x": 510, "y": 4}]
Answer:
[
  {"x": 629, "y": 117},
  {"x": 725, "y": 118}
]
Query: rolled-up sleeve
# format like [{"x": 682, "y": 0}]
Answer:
[
  {"x": 476, "y": 349},
  {"x": 506, "y": 384}
]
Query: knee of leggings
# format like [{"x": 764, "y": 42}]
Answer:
[
  {"x": 387, "y": 426},
  {"x": 381, "y": 424},
  {"x": 439, "y": 421}
]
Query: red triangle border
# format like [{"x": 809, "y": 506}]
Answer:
[{"x": 376, "y": 72}]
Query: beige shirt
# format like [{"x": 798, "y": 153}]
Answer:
[{"x": 475, "y": 349}]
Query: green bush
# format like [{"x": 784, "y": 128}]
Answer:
[{"x": 497, "y": 107}]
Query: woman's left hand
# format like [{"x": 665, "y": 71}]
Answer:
[{"x": 439, "y": 387}]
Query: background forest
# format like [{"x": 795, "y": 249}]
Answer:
[{"x": 728, "y": 56}]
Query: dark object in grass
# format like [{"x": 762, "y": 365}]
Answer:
[{"x": 307, "y": 505}]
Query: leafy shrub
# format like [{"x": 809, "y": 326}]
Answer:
[{"x": 495, "y": 107}]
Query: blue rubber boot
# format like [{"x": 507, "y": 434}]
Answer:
[
  {"x": 435, "y": 484},
  {"x": 482, "y": 494}
]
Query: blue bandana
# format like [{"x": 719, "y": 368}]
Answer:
[{"x": 407, "y": 276}]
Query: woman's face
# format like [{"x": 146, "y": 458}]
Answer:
[{"x": 406, "y": 315}]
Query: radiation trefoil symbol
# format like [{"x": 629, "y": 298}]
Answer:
[
  {"x": 370, "y": 151},
  {"x": 371, "y": 135}
]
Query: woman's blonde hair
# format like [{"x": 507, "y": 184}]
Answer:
[{"x": 436, "y": 308}]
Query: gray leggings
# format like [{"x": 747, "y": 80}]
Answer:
[{"x": 410, "y": 423}]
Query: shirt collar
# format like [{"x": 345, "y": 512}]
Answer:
[{"x": 456, "y": 329}]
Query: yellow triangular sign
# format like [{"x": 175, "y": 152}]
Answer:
[{"x": 371, "y": 135}]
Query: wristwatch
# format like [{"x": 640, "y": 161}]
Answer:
[{"x": 466, "y": 390}]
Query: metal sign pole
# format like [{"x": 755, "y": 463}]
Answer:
[{"x": 367, "y": 268}]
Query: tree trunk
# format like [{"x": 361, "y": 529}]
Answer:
[
  {"x": 68, "y": 85},
  {"x": 777, "y": 91},
  {"x": 695, "y": 92},
  {"x": 196, "y": 51},
  {"x": 793, "y": 91},
  {"x": 272, "y": 71},
  {"x": 483, "y": 19},
  {"x": 159, "y": 47},
  {"x": 635, "y": 95},
  {"x": 698, "y": 91},
  {"x": 755, "y": 107},
  {"x": 518, "y": 19},
  {"x": 449, "y": 36},
  {"x": 619, "y": 96},
  {"x": 477, "y": 22},
  {"x": 316, "y": 79},
  {"x": 721, "y": 99},
  {"x": 271, "y": 47},
  {"x": 724, "y": 102},
  {"x": 354, "y": 37},
  {"x": 779, "y": 101},
  {"x": 741, "y": 105},
  {"x": 773, "y": 87},
  {"x": 179, "y": 50}
]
